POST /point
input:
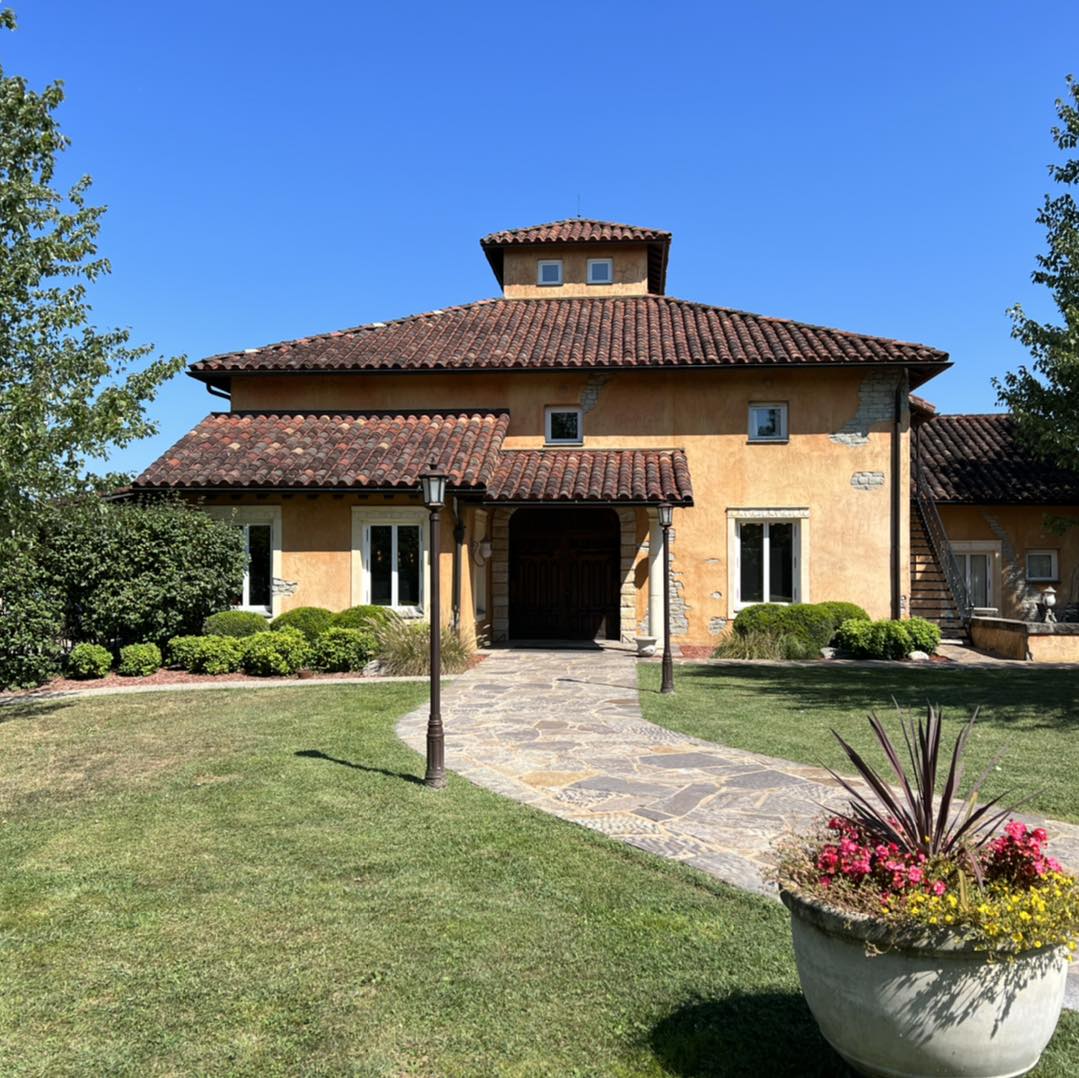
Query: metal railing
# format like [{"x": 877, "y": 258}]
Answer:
[{"x": 939, "y": 543}]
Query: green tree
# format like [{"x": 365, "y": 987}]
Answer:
[
  {"x": 1044, "y": 396},
  {"x": 68, "y": 391}
]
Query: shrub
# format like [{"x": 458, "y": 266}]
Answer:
[
  {"x": 923, "y": 634},
  {"x": 405, "y": 648},
  {"x": 759, "y": 618},
  {"x": 138, "y": 571},
  {"x": 374, "y": 618},
  {"x": 216, "y": 654},
  {"x": 234, "y": 623},
  {"x": 31, "y": 619},
  {"x": 875, "y": 639},
  {"x": 841, "y": 612},
  {"x": 802, "y": 620},
  {"x": 765, "y": 645},
  {"x": 338, "y": 650},
  {"x": 281, "y": 652},
  {"x": 309, "y": 620},
  {"x": 89, "y": 661},
  {"x": 181, "y": 651},
  {"x": 139, "y": 660}
]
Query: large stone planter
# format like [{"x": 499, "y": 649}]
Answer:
[{"x": 926, "y": 1006}]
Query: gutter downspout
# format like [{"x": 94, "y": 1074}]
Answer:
[
  {"x": 458, "y": 541},
  {"x": 897, "y": 496}
]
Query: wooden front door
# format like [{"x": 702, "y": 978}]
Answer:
[{"x": 564, "y": 574}]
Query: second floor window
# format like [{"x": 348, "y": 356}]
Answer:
[
  {"x": 549, "y": 271},
  {"x": 767, "y": 422},
  {"x": 600, "y": 271},
  {"x": 564, "y": 426}
]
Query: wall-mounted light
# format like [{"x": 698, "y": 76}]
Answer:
[{"x": 1049, "y": 600}]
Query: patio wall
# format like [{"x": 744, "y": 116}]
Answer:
[{"x": 1034, "y": 641}]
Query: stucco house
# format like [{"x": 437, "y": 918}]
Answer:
[
  {"x": 996, "y": 503},
  {"x": 565, "y": 410}
]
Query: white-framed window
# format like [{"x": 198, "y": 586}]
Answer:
[
  {"x": 600, "y": 271},
  {"x": 1043, "y": 566},
  {"x": 768, "y": 422},
  {"x": 261, "y": 527},
  {"x": 767, "y": 556},
  {"x": 979, "y": 565},
  {"x": 389, "y": 558},
  {"x": 563, "y": 425},
  {"x": 549, "y": 271}
]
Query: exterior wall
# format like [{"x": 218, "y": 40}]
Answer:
[
  {"x": 836, "y": 470},
  {"x": 630, "y": 271},
  {"x": 1034, "y": 641},
  {"x": 1014, "y": 530}
]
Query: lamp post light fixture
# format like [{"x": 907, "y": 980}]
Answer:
[
  {"x": 1049, "y": 599},
  {"x": 433, "y": 484},
  {"x": 666, "y": 516}
]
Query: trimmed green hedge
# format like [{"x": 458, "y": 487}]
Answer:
[
  {"x": 364, "y": 617},
  {"x": 312, "y": 621},
  {"x": 139, "y": 660},
  {"x": 89, "y": 661},
  {"x": 924, "y": 634},
  {"x": 808, "y": 627},
  {"x": 234, "y": 623},
  {"x": 278, "y": 653},
  {"x": 339, "y": 650},
  {"x": 875, "y": 639},
  {"x": 216, "y": 654}
]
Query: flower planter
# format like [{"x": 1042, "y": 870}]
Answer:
[
  {"x": 646, "y": 646},
  {"x": 923, "y": 1005}
]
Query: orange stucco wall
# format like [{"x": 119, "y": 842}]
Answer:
[
  {"x": 1017, "y": 529},
  {"x": 629, "y": 264},
  {"x": 839, "y": 430}
]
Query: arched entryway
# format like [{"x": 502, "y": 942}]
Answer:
[{"x": 564, "y": 574}]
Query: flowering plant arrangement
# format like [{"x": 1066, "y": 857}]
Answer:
[{"x": 922, "y": 861}]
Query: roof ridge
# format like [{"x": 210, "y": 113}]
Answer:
[
  {"x": 280, "y": 413},
  {"x": 572, "y": 221}
]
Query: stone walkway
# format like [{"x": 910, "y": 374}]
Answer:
[{"x": 562, "y": 731}]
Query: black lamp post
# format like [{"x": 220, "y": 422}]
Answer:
[
  {"x": 433, "y": 483},
  {"x": 666, "y": 516}
]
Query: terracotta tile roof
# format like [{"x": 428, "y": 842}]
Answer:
[
  {"x": 319, "y": 451},
  {"x": 575, "y": 334},
  {"x": 920, "y": 404},
  {"x": 387, "y": 451},
  {"x": 575, "y": 230},
  {"x": 979, "y": 459},
  {"x": 592, "y": 475}
]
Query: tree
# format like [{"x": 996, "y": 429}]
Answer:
[
  {"x": 1044, "y": 397},
  {"x": 68, "y": 391}
]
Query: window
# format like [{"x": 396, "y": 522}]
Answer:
[
  {"x": 257, "y": 591},
  {"x": 563, "y": 426},
  {"x": 600, "y": 271},
  {"x": 1042, "y": 565},
  {"x": 549, "y": 271},
  {"x": 979, "y": 564},
  {"x": 767, "y": 422},
  {"x": 395, "y": 565},
  {"x": 768, "y": 561}
]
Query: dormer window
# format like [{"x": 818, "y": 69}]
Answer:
[
  {"x": 549, "y": 271},
  {"x": 563, "y": 426},
  {"x": 601, "y": 271}
]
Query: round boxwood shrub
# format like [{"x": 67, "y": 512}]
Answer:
[
  {"x": 281, "y": 652},
  {"x": 804, "y": 621},
  {"x": 181, "y": 651},
  {"x": 841, "y": 612},
  {"x": 89, "y": 661},
  {"x": 875, "y": 639},
  {"x": 309, "y": 620},
  {"x": 925, "y": 635},
  {"x": 216, "y": 654},
  {"x": 139, "y": 660},
  {"x": 234, "y": 623},
  {"x": 364, "y": 617},
  {"x": 338, "y": 650},
  {"x": 759, "y": 618}
]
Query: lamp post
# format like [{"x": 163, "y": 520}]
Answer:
[
  {"x": 433, "y": 483},
  {"x": 666, "y": 516},
  {"x": 1049, "y": 600}
]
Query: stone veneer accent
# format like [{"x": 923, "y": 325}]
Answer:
[
  {"x": 867, "y": 480},
  {"x": 679, "y": 606},
  {"x": 283, "y": 587},
  {"x": 627, "y": 594},
  {"x": 590, "y": 393},
  {"x": 876, "y": 404}
]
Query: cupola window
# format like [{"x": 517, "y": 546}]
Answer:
[
  {"x": 549, "y": 271},
  {"x": 600, "y": 271}
]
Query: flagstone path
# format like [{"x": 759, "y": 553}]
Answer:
[{"x": 562, "y": 730}]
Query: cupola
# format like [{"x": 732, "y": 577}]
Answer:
[{"x": 578, "y": 257}]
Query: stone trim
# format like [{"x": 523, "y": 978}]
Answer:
[
  {"x": 500, "y": 574},
  {"x": 768, "y": 514},
  {"x": 627, "y": 594}
]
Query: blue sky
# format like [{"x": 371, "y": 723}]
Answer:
[{"x": 273, "y": 170}]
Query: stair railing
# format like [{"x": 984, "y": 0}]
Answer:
[{"x": 938, "y": 541}]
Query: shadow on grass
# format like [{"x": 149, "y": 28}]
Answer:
[
  {"x": 765, "y": 1033},
  {"x": 316, "y": 754},
  {"x": 1039, "y": 699},
  {"x": 27, "y": 707}
]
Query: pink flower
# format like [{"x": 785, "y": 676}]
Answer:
[
  {"x": 915, "y": 875},
  {"x": 1016, "y": 830},
  {"x": 938, "y": 887}
]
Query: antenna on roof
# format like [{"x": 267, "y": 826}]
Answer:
[{"x": 578, "y": 205}]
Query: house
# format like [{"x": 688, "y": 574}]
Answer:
[
  {"x": 995, "y": 501},
  {"x": 565, "y": 411}
]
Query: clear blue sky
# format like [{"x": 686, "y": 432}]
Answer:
[{"x": 273, "y": 170}]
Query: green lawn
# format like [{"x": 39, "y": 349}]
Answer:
[
  {"x": 1031, "y": 715},
  {"x": 254, "y": 882}
]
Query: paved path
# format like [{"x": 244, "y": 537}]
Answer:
[{"x": 562, "y": 731}]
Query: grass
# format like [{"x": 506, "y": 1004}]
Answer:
[
  {"x": 1029, "y": 715},
  {"x": 256, "y": 883}
]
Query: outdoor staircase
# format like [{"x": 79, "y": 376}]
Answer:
[{"x": 930, "y": 595}]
